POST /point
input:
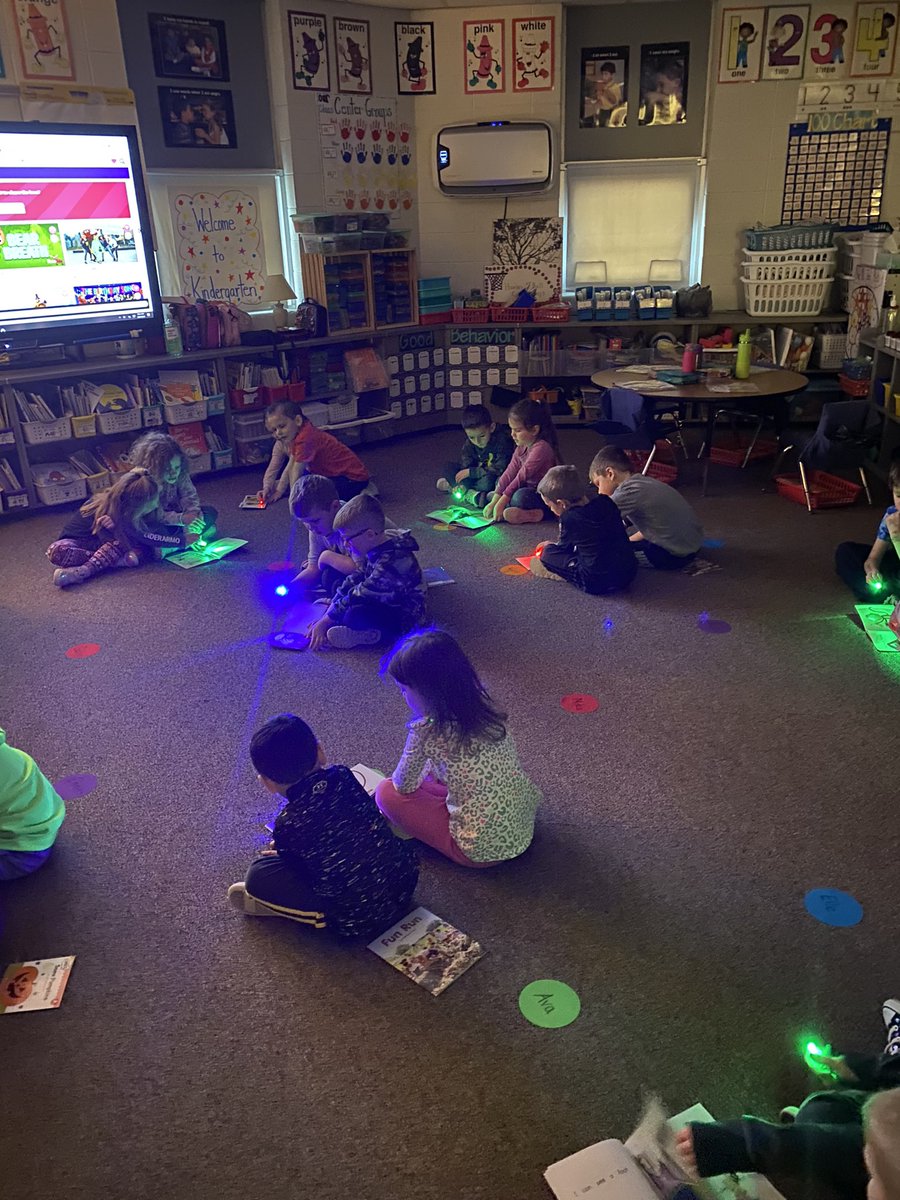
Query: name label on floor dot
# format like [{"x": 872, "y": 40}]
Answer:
[
  {"x": 549, "y": 1004},
  {"x": 831, "y": 906}
]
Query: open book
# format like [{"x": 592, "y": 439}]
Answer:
[
  {"x": 455, "y": 515},
  {"x": 875, "y": 620},
  {"x": 210, "y": 552},
  {"x": 646, "y": 1167}
]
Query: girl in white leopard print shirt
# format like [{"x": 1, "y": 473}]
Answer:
[{"x": 459, "y": 786}]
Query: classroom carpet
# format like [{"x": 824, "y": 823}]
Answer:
[{"x": 202, "y": 1054}]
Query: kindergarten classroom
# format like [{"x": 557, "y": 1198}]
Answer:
[{"x": 712, "y": 745}]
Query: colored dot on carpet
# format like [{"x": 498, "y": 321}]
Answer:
[
  {"x": 549, "y": 1004},
  {"x": 513, "y": 569},
  {"x": 70, "y": 787},
  {"x": 283, "y": 565},
  {"x": 831, "y": 906},
  {"x": 580, "y": 702},
  {"x": 83, "y": 650},
  {"x": 713, "y": 543},
  {"x": 709, "y": 624},
  {"x": 441, "y": 527}
]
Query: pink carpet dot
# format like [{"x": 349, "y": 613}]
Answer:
[
  {"x": 579, "y": 702},
  {"x": 83, "y": 650},
  {"x": 280, "y": 566}
]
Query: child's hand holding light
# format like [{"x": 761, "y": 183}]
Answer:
[
  {"x": 194, "y": 523},
  {"x": 837, "y": 1064}
]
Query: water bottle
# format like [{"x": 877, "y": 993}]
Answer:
[
  {"x": 742, "y": 366},
  {"x": 172, "y": 334},
  {"x": 689, "y": 358}
]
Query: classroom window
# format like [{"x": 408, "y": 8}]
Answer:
[{"x": 627, "y": 213}]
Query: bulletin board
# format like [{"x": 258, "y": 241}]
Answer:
[{"x": 836, "y": 174}]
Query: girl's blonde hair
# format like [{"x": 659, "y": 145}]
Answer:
[
  {"x": 122, "y": 503},
  {"x": 155, "y": 450},
  {"x": 881, "y": 1120}
]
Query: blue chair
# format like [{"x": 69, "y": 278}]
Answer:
[{"x": 629, "y": 423}]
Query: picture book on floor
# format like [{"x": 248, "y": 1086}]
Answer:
[
  {"x": 29, "y": 986},
  {"x": 875, "y": 618},
  {"x": 436, "y": 576},
  {"x": 646, "y": 1167},
  {"x": 212, "y": 552},
  {"x": 465, "y": 517},
  {"x": 429, "y": 951}
]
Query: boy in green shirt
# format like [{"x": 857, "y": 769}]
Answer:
[{"x": 31, "y": 813}]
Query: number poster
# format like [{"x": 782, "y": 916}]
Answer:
[{"x": 785, "y": 42}]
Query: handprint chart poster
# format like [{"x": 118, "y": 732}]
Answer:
[{"x": 367, "y": 155}]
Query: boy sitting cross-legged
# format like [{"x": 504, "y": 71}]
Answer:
[
  {"x": 484, "y": 457},
  {"x": 385, "y": 597}
]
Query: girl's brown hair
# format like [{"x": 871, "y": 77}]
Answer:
[
  {"x": 155, "y": 450},
  {"x": 531, "y": 413},
  {"x": 122, "y": 503}
]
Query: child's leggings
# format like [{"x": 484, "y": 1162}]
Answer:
[
  {"x": 69, "y": 553},
  {"x": 423, "y": 814}
]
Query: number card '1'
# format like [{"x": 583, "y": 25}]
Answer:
[
  {"x": 785, "y": 41},
  {"x": 740, "y": 50}
]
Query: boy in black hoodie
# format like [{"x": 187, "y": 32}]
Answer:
[
  {"x": 386, "y": 596},
  {"x": 485, "y": 456}
]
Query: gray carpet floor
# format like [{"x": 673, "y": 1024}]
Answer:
[{"x": 202, "y": 1054}]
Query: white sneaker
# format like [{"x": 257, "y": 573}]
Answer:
[
  {"x": 343, "y": 638},
  {"x": 443, "y": 485},
  {"x": 890, "y": 1012},
  {"x": 238, "y": 898},
  {"x": 371, "y": 488}
]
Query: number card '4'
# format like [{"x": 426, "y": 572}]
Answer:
[
  {"x": 875, "y": 39},
  {"x": 784, "y": 51}
]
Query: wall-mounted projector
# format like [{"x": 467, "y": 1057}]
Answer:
[{"x": 505, "y": 158}]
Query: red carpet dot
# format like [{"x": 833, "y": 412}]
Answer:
[
  {"x": 83, "y": 650},
  {"x": 579, "y": 702},
  {"x": 280, "y": 566}
]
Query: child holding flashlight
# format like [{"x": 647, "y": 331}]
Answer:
[{"x": 873, "y": 573}]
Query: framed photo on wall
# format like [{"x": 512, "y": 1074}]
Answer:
[
  {"x": 784, "y": 54},
  {"x": 43, "y": 34},
  {"x": 414, "y": 54},
  {"x": 199, "y": 118},
  {"x": 484, "y": 56},
  {"x": 353, "y": 60},
  {"x": 830, "y": 39},
  {"x": 664, "y": 83},
  {"x": 188, "y": 47},
  {"x": 309, "y": 52},
  {"x": 604, "y": 87},
  {"x": 740, "y": 50},
  {"x": 534, "y": 54}
]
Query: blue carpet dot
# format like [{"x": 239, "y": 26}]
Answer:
[
  {"x": 833, "y": 907},
  {"x": 713, "y": 543}
]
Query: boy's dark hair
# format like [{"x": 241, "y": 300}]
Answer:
[
  {"x": 475, "y": 416},
  {"x": 363, "y": 510},
  {"x": 288, "y": 407},
  {"x": 562, "y": 483},
  {"x": 746, "y": 25},
  {"x": 284, "y": 749},
  {"x": 312, "y": 493},
  {"x": 610, "y": 456},
  {"x": 608, "y": 68},
  {"x": 894, "y": 474}
]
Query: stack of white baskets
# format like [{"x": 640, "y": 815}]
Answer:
[{"x": 788, "y": 270}]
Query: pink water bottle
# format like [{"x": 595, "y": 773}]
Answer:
[{"x": 689, "y": 358}]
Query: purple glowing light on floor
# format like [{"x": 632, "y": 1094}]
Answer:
[{"x": 708, "y": 624}]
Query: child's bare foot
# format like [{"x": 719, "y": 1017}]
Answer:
[
  {"x": 523, "y": 516},
  {"x": 684, "y": 1148}
]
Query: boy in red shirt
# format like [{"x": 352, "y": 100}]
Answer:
[{"x": 310, "y": 451}]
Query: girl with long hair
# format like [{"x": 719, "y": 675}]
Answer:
[
  {"x": 517, "y": 499},
  {"x": 179, "y": 503}
]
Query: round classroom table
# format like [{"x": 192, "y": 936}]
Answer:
[{"x": 772, "y": 386}]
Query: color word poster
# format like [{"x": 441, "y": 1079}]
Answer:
[
  {"x": 835, "y": 168},
  {"x": 484, "y": 56},
  {"x": 367, "y": 154}
]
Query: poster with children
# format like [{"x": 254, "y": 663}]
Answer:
[
  {"x": 604, "y": 87},
  {"x": 875, "y": 39},
  {"x": 829, "y": 40},
  {"x": 219, "y": 246},
  {"x": 664, "y": 77},
  {"x": 740, "y": 49},
  {"x": 43, "y": 34},
  {"x": 367, "y": 155},
  {"x": 354, "y": 61},
  {"x": 484, "y": 56},
  {"x": 414, "y": 52},
  {"x": 309, "y": 52},
  {"x": 784, "y": 41},
  {"x": 534, "y": 54}
]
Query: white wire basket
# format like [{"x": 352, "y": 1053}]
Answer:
[{"x": 787, "y": 298}]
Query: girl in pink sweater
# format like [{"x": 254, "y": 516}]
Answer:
[{"x": 516, "y": 499}]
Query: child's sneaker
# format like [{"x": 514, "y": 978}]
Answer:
[
  {"x": 343, "y": 638},
  {"x": 890, "y": 1011},
  {"x": 67, "y": 576},
  {"x": 238, "y": 898},
  {"x": 443, "y": 485}
]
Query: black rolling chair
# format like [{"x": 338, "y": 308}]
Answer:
[
  {"x": 630, "y": 423},
  {"x": 843, "y": 439}
]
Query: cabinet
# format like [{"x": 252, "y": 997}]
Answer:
[{"x": 363, "y": 289}]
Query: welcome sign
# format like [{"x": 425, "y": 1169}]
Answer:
[{"x": 219, "y": 245}]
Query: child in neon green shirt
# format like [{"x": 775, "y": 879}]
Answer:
[{"x": 31, "y": 813}]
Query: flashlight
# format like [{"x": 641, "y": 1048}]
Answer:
[
  {"x": 200, "y": 544},
  {"x": 281, "y": 590},
  {"x": 875, "y": 585},
  {"x": 459, "y": 493},
  {"x": 813, "y": 1048}
]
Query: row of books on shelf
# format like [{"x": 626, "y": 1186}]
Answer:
[
  {"x": 85, "y": 397},
  {"x": 194, "y": 438},
  {"x": 9, "y": 480}
]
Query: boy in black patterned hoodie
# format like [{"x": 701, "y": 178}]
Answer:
[{"x": 385, "y": 598}]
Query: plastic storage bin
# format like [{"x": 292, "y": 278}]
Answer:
[
  {"x": 98, "y": 482},
  {"x": 248, "y": 426},
  {"x": 119, "y": 422},
  {"x": 316, "y": 414},
  {"x": 777, "y": 266},
  {"x": 829, "y": 351},
  {"x": 199, "y": 464},
  {"x": 178, "y": 413},
  {"x": 58, "y": 483},
  {"x": 792, "y": 298},
  {"x": 215, "y": 405},
  {"x": 253, "y": 451},
  {"x": 37, "y": 432},
  {"x": 789, "y": 237},
  {"x": 342, "y": 408},
  {"x": 83, "y": 427},
  {"x": 152, "y": 415},
  {"x": 825, "y": 491}
]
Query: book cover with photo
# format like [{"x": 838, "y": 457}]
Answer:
[
  {"x": 429, "y": 951},
  {"x": 30, "y": 986}
]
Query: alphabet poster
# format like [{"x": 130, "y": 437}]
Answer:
[
  {"x": 414, "y": 51},
  {"x": 352, "y": 57},
  {"x": 784, "y": 53},
  {"x": 367, "y": 155},
  {"x": 484, "y": 61},
  {"x": 740, "y": 50},
  {"x": 218, "y": 245},
  {"x": 309, "y": 52},
  {"x": 534, "y": 54},
  {"x": 830, "y": 40},
  {"x": 43, "y": 33},
  {"x": 875, "y": 39}
]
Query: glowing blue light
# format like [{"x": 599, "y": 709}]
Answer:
[
  {"x": 281, "y": 590},
  {"x": 608, "y": 625}
]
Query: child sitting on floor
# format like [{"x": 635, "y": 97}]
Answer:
[
  {"x": 484, "y": 457},
  {"x": 309, "y": 450},
  {"x": 334, "y": 862},
  {"x": 459, "y": 786},
  {"x": 593, "y": 550},
  {"x": 179, "y": 503},
  {"x": 516, "y": 498},
  {"x": 665, "y": 526},
  {"x": 831, "y": 1139},
  {"x": 31, "y": 813},
  {"x": 315, "y": 502},
  {"x": 879, "y": 565},
  {"x": 382, "y": 599},
  {"x": 111, "y": 530}
]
